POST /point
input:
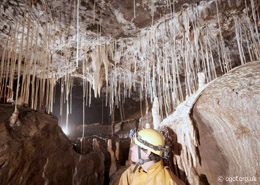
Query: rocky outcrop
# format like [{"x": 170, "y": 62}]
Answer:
[
  {"x": 36, "y": 151},
  {"x": 215, "y": 132},
  {"x": 227, "y": 117}
]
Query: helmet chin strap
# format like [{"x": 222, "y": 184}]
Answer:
[{"x": 140, "y": 160}]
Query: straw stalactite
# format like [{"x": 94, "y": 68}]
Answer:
[{"x": 162, "y": 61}]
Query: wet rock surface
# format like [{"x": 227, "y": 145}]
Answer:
[
  {"x": 227, "y": 116},
  {"x": 36, "y": 151}
]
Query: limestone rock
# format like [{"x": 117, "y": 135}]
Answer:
[
  {"x": 37, "y": 152},
  {"x": 215, "y": 132},
  {"x": 227, "y": 116}
]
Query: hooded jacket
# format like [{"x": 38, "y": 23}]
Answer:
[{"x": 156, "y": 174}]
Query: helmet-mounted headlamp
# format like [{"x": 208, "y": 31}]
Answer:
[
  {"x": 165, "y": 150},
  {"x": 149, "y": 139}
]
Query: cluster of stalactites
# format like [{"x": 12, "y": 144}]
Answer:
[
  {"x": 178, "y": 48},
  {"x": 28, "y": 60},
  {"x": 35, "y": 56},
  {"x": 152, "y": 64}
]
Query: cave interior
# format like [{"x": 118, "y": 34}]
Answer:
[{"x": 77, "y": 75}]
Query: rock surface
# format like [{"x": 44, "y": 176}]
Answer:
[
  {"x": 215, "y": 132},
  {"x": 227, "y": 116},
  {"x": 37, "y": 152}
]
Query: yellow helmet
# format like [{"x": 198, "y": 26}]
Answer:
[{"x": 150, "y": 139}]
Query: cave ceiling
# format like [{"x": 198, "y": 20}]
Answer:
[{"x": 147, "y": 48}]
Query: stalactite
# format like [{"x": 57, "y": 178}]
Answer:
[
  {"x": 28, "y": 75},
  {"x": 157, "y": 60},
  {"x": 77, "y": 55},
  {"x": 207, "y": 62},
  {"x": 45, "y": 60},
  {"x": 25, "y": 66},
  {"x": 7, "y": 71},
  {"x": 256, "y": 46},
  {"x": 156, "y": 114},
  {"x": 35, "y": 50},
  {"x": 71, "y": 86},
  {"x": 2, "y": 67},
  {"x": 20, "y": 57},
  {"x": 84, "y": 98},
  {"x": 47, "y": 95},
  {"x": 36, "y": 94},
  {"x": 255, "y": 19},
  {"x": 89, "y": 99},
  {"x": 134, "y": 10},
  {"x": 50, "y": 103},
  {"x": 225, "y": 59},
  {"x": 13, "y": 60},
  {"x": 52, "y": 80},
  {"x": 96, "y": 63},
  {"x": 61, "y": 96},
  {"x": 248, "y": 46},
  {"x": 238, "y": 41},
  {"x": 87, "y": 91},
  {"x": 212, "y": 67},
  {"x": 67, "y": 100},
  {"x": 94, "y": 13}
]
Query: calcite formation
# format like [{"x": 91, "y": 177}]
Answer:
[
  {"x": 227, "y": 116},
  {"x": 145, "y": 49},
  {"x": 218, "y": 129}
]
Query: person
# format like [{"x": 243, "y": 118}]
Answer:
[{"x": 147, "y": 152}]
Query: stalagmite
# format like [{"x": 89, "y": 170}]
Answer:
[
  {"x": 14, "y": 119},
  {"x": 83, "y": 145},
  {"x": 117, "y": 149},
  {"x": 113, "y": 167},
  {"x": 95, "y": 145}
]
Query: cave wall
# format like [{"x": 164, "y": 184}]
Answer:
[
  {"x": 34, "y": 150},
  {"x": 227, "y": 115},
  {"x": 217, "y": 130}
]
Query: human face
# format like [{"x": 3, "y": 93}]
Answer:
[{"x": 134, "y": 153}]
